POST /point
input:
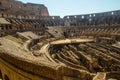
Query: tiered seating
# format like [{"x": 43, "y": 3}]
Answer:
[
  {"x": 94, "y": 31},
  {"x": 20, "y": 25}
]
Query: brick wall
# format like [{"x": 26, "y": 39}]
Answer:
[{"x": 12, "y": 7}]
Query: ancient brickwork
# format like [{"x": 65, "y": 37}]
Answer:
[
  {"x": 88, "y": 47},
  {"x": 94, "y": 19},
  {"x": 12, "y": 8}
]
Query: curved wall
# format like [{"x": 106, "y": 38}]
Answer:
[{"x": 14, "y": 73}]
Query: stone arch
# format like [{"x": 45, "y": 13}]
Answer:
[
  {"x": 2, "y": 15},
  {"x": 6, "y": 77}
]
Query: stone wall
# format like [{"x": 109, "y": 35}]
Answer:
[
  {"x": 13, "y": 73},
  {"x": 94, "y": 19},
  {"x": 16, "y": 8}
]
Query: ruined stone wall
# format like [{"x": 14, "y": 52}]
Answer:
[
  {"x": 13, "y": 73},
  {"x": 14, "y": 8},
  {"x": 94, "y": 19},
  {"x": 101, "y": 31}
]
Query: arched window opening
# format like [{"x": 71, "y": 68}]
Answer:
[
  {"x": 53, "y": 17},
  {"x": 112, "y": 13},
  {"x": 75, "y": 16},
  {"x": 2, "y": 15},
  {"x": 82, "y": 17},
  {"x": 68, "y": 17},
  {"x": 94, "y": 15},
  {"x": 90, "y": 19},
  {"x": 90, "y": 15}
]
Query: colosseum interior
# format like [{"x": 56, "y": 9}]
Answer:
[{"x": 36, "y": 46}]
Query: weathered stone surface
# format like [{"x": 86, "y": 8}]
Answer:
[{"x": 17, "y": 8}]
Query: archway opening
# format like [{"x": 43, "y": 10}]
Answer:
[
  {"x": 0, "y": 74},
  {"x": 6, "y": 77}
]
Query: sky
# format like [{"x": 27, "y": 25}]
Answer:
[{"x": 77, "y": 7}]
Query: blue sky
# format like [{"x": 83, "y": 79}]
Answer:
[{"x": 77, "y": 7}]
